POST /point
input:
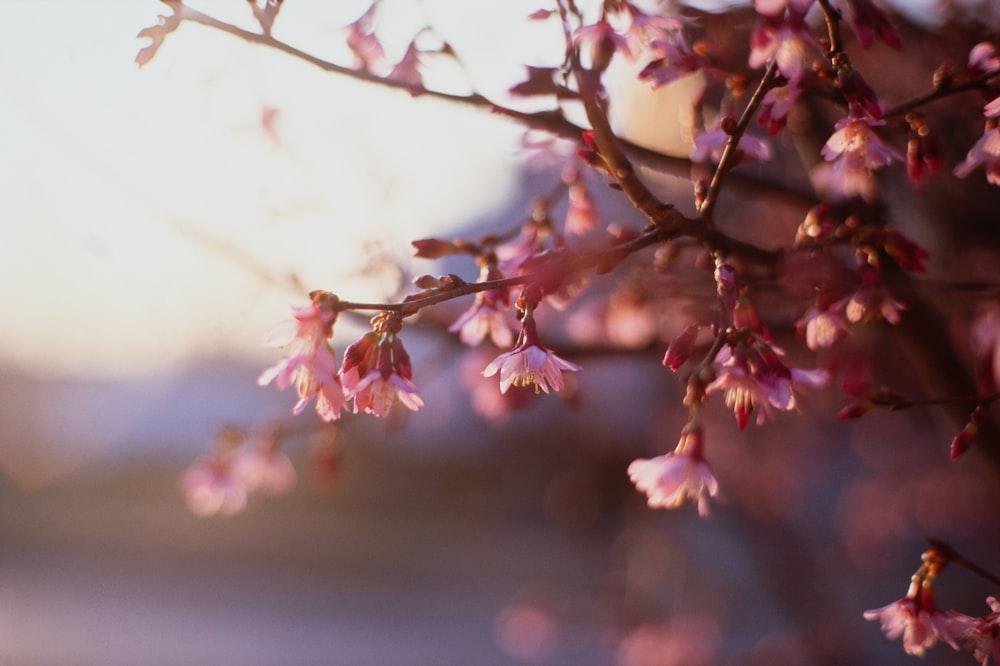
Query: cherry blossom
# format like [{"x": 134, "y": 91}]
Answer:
[
  {"x": 753, "y": 378},
  {"x": 985, "y": 634},
  {"x": 377, "y": 372},
  {"x": 212, "y": 486},
  {"x": 855, "y": 146},
  {"x": 310, "y": 364},
  {"x": 264, "y": 466},
  {"x": 530, "y": 362},
  {"x": 710, "y": 144},
  {"x": 822, "y": 327},
  {"x": 488, "y": 314},
  {"x": 682, "y": 474},
  {"x": 985, "y": 152}
]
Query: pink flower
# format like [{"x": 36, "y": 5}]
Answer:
[
  {"x": 682, "y": 474},
  {"x": 919, "y": 622},
  {"x": 710, "y": 144},
  {"x": 580, "y": 214},
  {"x": 361, "y": 39},
  {"x": 377, "y": 372},
  {"x": 822, "y": 328},
  {"x": 983, "y": 59},
  {"x": 855, "y": 146},
  {"x": 530, "y": 363},
  {"x": 985, "y": 634},
  {"x": 778, "y": 7},
  {"x": 777, "y": 103},
  {"x": 601, "y": 42},
  {"x": 407, "y": 70},
  {"x": 211, "y": 486},
  {"x": 869, "y": 22},
  {"x": 487, "y": 315},
  {"x": 754, "y": 379},
  {"x": 310, "y": 365},
  {"x": 985, "y": 152},
  {"x": 673, "y": 58},
  {"x": 263, "y": 466}
]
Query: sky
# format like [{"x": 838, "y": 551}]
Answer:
[{"x": 146, "y": 215}]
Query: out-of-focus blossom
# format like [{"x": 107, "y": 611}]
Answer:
[
  {"x": 681, "y": 348},
  {"x": 265, "y": 467},
  {"x": 855, "y": 146},
  {"x": 361, "y": 39},
  {"x": 671, "y": 479},
  {"x": 487, "y": 315},
  {"x": 310, "y": 364},
  {"x": 777, "y": 8},
  {"x": 753, "y": 378},
  {"x": 985, "y": 634},
  {"x": 870, "y": 22},
  {"x": 985, "y": 152},
  {"x": 782, "y": 36},
  {"x": 580, "y": 214},
  {"x": 710, "y": 145},
  {"x": 377, "y": 371},
  {"x": 983, "y": 59},
  {"x": 407, "y": 70},
  {"x": 822, "y": 327},
  {"x": 684, "y": 640},
  {"x": 872, "y": 299},
  {"x": 211, "y": 486},
  {"x": 601, "y": 41},
  {"x": 986, "y": 348},
  {"x": 673, "y": 58},
  {"x": 529, "y": 362},
  {"x": 923, "y": 156},
  {"x": 777, "y": 103}
]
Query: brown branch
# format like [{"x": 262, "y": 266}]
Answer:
[
  {"x": 730, "y": 152},
  {"x": 560, "y": 267}
]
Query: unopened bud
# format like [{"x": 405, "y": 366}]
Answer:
[
  {"x": 855, "y": 411},
  {"x": 963, "y": 440}
]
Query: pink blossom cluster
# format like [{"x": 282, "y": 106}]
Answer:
[
  {"x": 222, "y": 482},
  {"x": 921, "y": 624}
]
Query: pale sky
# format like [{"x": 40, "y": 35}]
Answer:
[{"x": 116, "y": 183}]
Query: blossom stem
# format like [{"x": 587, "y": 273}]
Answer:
[
  {"x": 729, "y": 153},
  {"x": 951, "y": 555}
]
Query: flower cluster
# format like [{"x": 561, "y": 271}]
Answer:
[{"x": 222, "y": 482}]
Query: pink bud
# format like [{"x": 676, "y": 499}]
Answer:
[{"x": 680, "y": 348}]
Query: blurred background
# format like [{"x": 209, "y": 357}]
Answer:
[{"x": 155, "y": 223}]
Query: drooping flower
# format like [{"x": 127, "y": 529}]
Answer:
[
  {"x": 262, "y": 465},
  {"x": 916, "y": 617},
  {"x": 710, "y": 145},
  {"x": 855, "y": 146},
  {"x": 310, "y": 364},
  {"x": 530, "y": 363},
  {"x": 488, "y": 314},
  {"x": 985, "y": 152},
  {"x": 985, "y": 634},
  {"x": 377, "y": 372},
  {"x": 754, "y": 379},
  {"x": 671, "y": 479}
]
